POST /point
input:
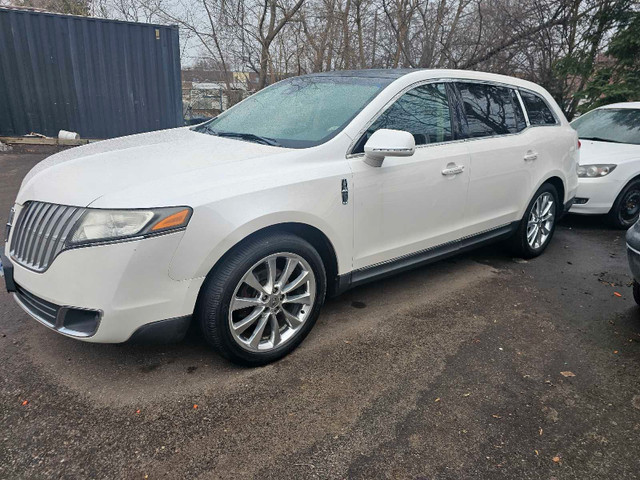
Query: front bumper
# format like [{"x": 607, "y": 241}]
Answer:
[
  {"x": 6, "y": 271},
  {"x": 127, "y": 286},
  {"x": 633, "y": 256},
  {"x": 600, "y": 192}
]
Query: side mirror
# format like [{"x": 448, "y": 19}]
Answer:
[{"x": 388, "y": 143}]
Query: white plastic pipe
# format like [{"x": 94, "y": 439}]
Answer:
[{"x": 65, "y": 135}]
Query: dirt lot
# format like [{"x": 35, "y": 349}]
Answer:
[{"x": 448, "y": 372}]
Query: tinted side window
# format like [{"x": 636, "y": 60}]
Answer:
[
  {"x": 537, "y": 109},
  {"x": 490, "y": 110},
  {"x": 422, "y": 111}
]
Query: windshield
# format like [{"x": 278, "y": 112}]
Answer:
[
  {"x": 617, "y": 125},
  {"x": 298, "y": 112}
]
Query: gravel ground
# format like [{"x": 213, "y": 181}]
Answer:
[{"x": 447, "y": 372}]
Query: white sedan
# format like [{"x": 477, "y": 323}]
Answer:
[{"x": 609, "y": 169}]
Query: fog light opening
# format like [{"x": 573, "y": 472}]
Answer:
[{"x": 78, "y": 320}]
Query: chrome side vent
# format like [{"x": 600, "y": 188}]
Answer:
[
  {"x": 40, "y": 233},
  {"x": 345, "y": 191}
]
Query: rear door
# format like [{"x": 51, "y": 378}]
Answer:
[
  {"x": 551, "y": 144},
  {"x": 500, "y": 176}
]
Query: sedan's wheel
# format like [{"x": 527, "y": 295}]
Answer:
[
  {"x": 272, "y": 302},
  {"x": 626, "y": 209},
  {"x": 263, "y": 299},
  {"x": 538, "y": 224}
]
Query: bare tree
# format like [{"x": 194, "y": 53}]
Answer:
[
  {"x": 557, "y": 43},
  {"x": 272, "y": 17}
]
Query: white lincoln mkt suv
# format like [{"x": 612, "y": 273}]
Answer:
[{"x": 244, "y": 224}]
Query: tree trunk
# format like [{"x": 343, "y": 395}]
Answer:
[{"x": 264, "y": 64}]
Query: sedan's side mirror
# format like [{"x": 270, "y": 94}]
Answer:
[{"x": 388, "y": 143}]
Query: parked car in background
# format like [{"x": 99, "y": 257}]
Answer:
[
  {"x": 311, "y": 186},
  {"x": 610, "y": 163},
  {"x": 633, "y": 255}
]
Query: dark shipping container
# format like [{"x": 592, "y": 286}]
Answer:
[{"x": 100, "y": 78}]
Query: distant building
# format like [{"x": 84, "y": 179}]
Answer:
[
  {"x": 237, "y": 80},
  {"x": 205, "y": 93}
]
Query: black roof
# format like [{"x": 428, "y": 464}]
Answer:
[{"x": 391, "y": 73}]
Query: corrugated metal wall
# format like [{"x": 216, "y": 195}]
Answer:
[{"x": 100, "y": 78}]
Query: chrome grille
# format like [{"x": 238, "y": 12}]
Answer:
[{"x": 40, "y": 233}]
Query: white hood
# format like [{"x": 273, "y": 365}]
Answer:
[
  {"x": 79, "y": 176},
  {"x": 593, "y": 152}
]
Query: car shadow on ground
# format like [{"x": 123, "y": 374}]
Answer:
[{"x": 586, "y": 222}]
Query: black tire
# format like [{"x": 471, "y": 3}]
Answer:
[
  {"x": 212, "y": 308},
  {"x": 519, "y": 243},
  {"x": 626, "y": 209},
  {"x": 636, "y": 292}
]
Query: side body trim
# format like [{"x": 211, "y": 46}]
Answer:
[{"x": 423, "y": 257}]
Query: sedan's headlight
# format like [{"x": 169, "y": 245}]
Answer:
[
  {"x": 97, "y": 225},
  {"x": 592, "y": 171}
]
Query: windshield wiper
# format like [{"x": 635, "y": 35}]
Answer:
[
  {"x": 248, "y": 136},
  {"x": 205, "y": 128},
  {"x": 600, "y": 139}
]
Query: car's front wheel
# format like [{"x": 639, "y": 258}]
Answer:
[
  {"x": 263, "y": 299},
  {"x": 626, "y": 209},
  {"x": 538, "y": 224}
]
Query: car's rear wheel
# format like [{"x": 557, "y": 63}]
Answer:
[
  {"x": 264, "y": 298},
  {"x": 538, "y": 224},
  {"x": 626, "y": 209}
]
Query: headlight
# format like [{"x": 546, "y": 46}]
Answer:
[
  {"x": 592, "y": 171},
  {"x": 98, "y": 225}
]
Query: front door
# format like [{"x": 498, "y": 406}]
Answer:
[{"x": 410, "y": 204}]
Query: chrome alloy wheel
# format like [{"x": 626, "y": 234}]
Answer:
[
  {"x": 272, "y": 301},
  {"x": 540, "y": 222}
]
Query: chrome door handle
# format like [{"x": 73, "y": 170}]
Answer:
[
  {"x": 453, "y": 170},
  {"x": 530, "y": 156}
]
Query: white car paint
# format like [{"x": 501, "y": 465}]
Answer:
[
  {"x": 236, "y": 188},
  {"x": 603, "y": 191}
]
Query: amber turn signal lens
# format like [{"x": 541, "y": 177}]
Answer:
[{"x": 175, "y": 220}]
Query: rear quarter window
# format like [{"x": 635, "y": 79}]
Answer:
[{"x": 537, "y": 109}]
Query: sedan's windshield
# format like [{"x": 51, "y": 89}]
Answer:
[
  {"x": 299, "y": 112},
  {"x": 616, "y": 125}
]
